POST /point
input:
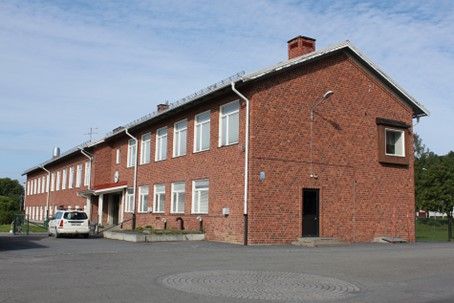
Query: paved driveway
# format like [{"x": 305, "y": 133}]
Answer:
[{"x": 41, "y": 269}]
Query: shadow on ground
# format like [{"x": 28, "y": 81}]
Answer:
[{"x": 18, "y": 242}]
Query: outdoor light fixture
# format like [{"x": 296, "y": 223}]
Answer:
[{"x": 319, "y": 101}]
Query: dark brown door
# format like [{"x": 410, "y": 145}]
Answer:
[{"x": 310, "y": 212}]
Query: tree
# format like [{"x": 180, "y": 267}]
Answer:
[{"x": 11, "y": 193}]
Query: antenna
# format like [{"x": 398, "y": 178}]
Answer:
[{"x": 91, "y": 132}]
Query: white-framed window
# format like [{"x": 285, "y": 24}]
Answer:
[
  {"x": 43, "y": 184},
  {"x": 58, "y": 180},
  {"x": 28, "y": 188},
  {"x": 132, "y": 153},
  {"x": 229, "y": 123},
  {"x": 129, "y": 205},
  {"x": 78, "y": 175},
  {"x": 39, "y": 185},
  {"x": 34, "y": 186},
  {"x": 52, "y": 182},
  {"x": 64, "y": 179},
  {"x": 159, "y": 198},
  {"x": 143, "y": 198},
  {"x": 395, "y": 142},
  {"x": 161, "y": 144},
  {"x": 202, "y": 131},
  {"x": 177, "y": 199},
  {"x": 117, "y": 156},
  {"x": 200, "y": 190},
  {"x": 87, "y": 173},
  {"x": 47, "y": 183},
  {"x": 180, "y": 131},
  {"x": 71, "y": 177},
  {"x": 145, "y": 148}
]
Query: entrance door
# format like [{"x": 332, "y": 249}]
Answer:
[
  {"x": 115, "y": 208},
  {"x": 310, "y": 212}
]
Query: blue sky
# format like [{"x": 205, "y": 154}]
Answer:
[{"x": 66, "y": 66}]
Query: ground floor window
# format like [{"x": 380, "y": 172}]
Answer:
[
  {"x": 178, "y": 193},
  {"x": 200, "y": 196},
  {"x": 129, "y": 205},
  {"x": 143, "y": 198},
  {"x": 159, "y": 198}
]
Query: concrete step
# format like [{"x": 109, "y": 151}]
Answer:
[{"x": 318, "y": 242}]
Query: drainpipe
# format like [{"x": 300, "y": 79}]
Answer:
[
  {"x": 246, "y": 164},
  {"x": 48, "y": 191},
  {"x": 90, "y": 159},
  {"x": 135, "y": 177}
]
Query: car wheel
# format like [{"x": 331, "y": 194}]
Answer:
[{"x": 86, "y": 236}]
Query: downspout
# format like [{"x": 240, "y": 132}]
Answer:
[
  {"x": 48, "y": 191},
  {"x": 90, "y": 158},
  {"x": 135, "y": 177},
  {"x": 246, "y": 164}
]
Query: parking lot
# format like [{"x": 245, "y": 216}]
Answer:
[{"x": 41, "y": 269}]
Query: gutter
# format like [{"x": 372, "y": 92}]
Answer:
[
  {"x": 48, "y": 190},
  {"x": 135, "y": 177},
  {"x": 246, "y": 164}
]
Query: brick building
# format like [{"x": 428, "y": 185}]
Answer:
[{"x": 317, "y": 145}]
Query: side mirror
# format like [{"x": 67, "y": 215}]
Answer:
[{"x": 51, "y": 218}]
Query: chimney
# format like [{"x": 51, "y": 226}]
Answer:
[
  {"x": 299, "y": 46},
  {"x": 162, "y": 107}
]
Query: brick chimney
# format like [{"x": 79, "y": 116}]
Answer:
[
  {"x": 299, "y": 46},
  {"x": 162, "y": 107}
]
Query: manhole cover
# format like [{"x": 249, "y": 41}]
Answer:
[{"x": 261, "y": 285}]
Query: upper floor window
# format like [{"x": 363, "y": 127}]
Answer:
[
  {"x": 159, "y": 198},
  {"x": 200, "y": 190},
  {"x": 178, "y": 193},
  {"x": 395, "y": 142},
  {"x": 179, "y": 138},
  {"x": 229, "y": 124},
  {"x": 132, "y": 153},
  {"x": 47, "y": 183},
  {"x": 52, "y": 182},
  {"x": 58, "y": 180},
  {"x": 78, "y": 175},
  {"x": 64, "y": 179},
  {"x": 143, "y": 198},
  {"x": 161, "y": 144},
  {"x": 117, "y": 156},
  {"x": 87, "y": 173},
  {"x": 202, "y": 132},
  {"x": 71, "y": 177},
  {"x": 39, "y": 185},
  {"x": 145, "y": 149}
]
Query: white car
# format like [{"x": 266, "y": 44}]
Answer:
[{"x": 69, "y": 222}]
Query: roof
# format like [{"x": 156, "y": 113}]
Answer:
[{"x": 418, "y": 109}]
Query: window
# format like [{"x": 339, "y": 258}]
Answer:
[
  {"x": 52, "y": 182},
  {"x": 78, "y": 175},
  {"x": 64, "y": 179},
  {"x": 47, "y": 183},
  {"x": 39, "y": 185},
  {"x": 87, "y": 173},
  {"x": 178, "y": 193},
  {"x": 43, "y": 184},
  {"x": 132, "y": 153},
  {"x": 28, "y": 188},
  {"x": 395, "y": 143},
  {"x": 117, "y": 156},
  {"x": 161, "y": 144},
  {"x": 229, "y": 124},
  {"x": 159, "y": 198},
  {"x": 200, "y": 196},
  {"x": 71, "y": 177},
  {"x": 145, "y": 149},
  {"x": 143, "y": 198},
  {"x": 202, "y": 132},
  {"x": 58, "y": 180},
  {"x": 33, "y": 187},
  {"x": 129, "y": 205},
  {"x": 179, "y": 138}
]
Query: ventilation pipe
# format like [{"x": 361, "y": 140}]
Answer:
[
  {"x": 135, "y": 176},
  {"x": 246, "y": 165}
]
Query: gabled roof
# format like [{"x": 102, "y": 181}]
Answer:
[{"x": 240, "y": 78}]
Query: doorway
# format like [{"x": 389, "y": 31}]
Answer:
[
  {"x": 114, "y": 208},
  {"x": 310, "y": 226}
]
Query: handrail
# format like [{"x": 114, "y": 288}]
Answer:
[{"x": 110, "y": 227}]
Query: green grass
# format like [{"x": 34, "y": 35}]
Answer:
[
  {"x": 428, "y": 230},
  {"x": 4, "y": 228}
]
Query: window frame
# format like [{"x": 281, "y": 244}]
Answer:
[
  {"x": 141, "y": 209},
  {"x": 402, "y": 133},
  {"x": 63, "y": 179},
  {"x": 117, "y": 156},
  {"x": 71, "y": 178},
  {"x": 143, "y": 142},
  {"x": 158, "y": 203},
  {"x": 221, "y": 130},
  {"x": 131, "y": 159},
  {"x": 193, "y": 204},
  {"x": 177, "y": 141},
  {"x": 78, "y": 175},
  {"x": 52, "y": 182},
  {"x": 158, "y": 142},
  {"x": 172, "y": 198},
  {"x": 87, "y": 175},
  {"x": 129, "y": 204},
  {"x": 196, "y": 132}
]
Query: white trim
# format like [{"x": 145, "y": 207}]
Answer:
[
  {"x": 142, "y": 143},
  {"x": 403, "y": 142},
  {"x": 78, "y": 175},
  {"x": 71, "y": 178},
  {"x": 109, "y": 190},
  {"x": 155, "y": 204},
  {"x": 130, "y": 161},
  {"x": 227, "y": 123},
  {"x": 193, "y": 210},
  {"x": 129, "y": 208},
  {"x": 172, "y": 208},
  {"x": 117, "y": 156},
  {"x": 157, "y": 150},
  {"x": 196, "y": 133},
  {"x": 64, "y": 179},
  {"x": 141, "y": 194}
]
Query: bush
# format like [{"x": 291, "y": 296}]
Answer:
[{"x": 8, "y": 208}]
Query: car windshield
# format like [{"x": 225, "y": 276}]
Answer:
[{"x": 75, "y": 216}]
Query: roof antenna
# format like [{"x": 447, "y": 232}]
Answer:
[{"x": 91, "y": 132}]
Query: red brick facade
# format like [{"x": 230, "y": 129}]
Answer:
[{"x": 360, "y": 197}]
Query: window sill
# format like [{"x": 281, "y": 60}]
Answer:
[
  {"x": 160, "y": 160},
  {"x": 177, "y": 213},
  {"x": 158, "y": 212},
  {"x": 227, "y": 145},
  {"x": 200, "y": 151},
  {"x": 179, "y": 156}
]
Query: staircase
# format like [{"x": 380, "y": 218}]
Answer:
[{"x": 319, "y": 242}]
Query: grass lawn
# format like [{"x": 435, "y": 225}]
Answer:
[
  {"x": 4, "y": 228},
  {"x": 425, "y": 231}
]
